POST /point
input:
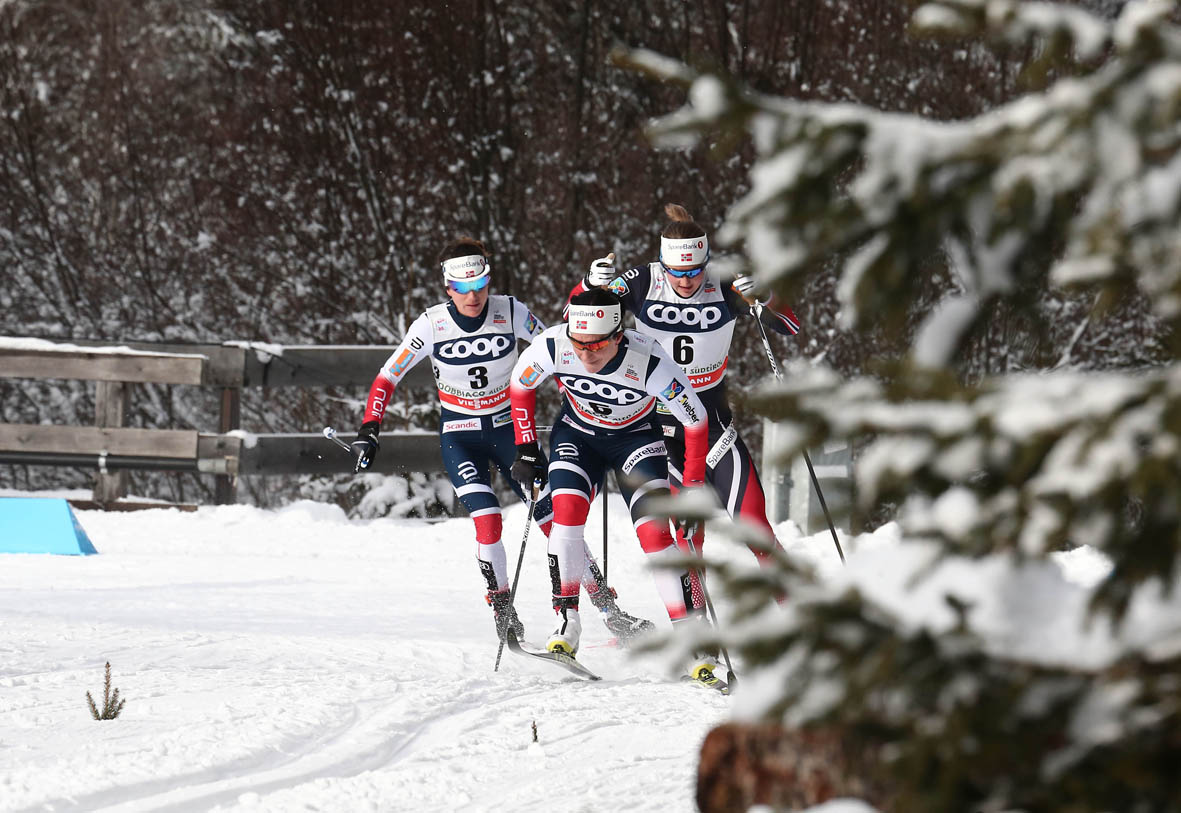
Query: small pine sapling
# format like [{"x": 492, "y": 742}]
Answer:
[{"x": 112, "y": 705}]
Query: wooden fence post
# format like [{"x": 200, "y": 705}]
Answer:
[
  {"x": 225, "y": 486},
  {"x": 110, "y": 410}
]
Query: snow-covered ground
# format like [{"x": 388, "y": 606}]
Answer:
[{"x": 296, "y": 660}]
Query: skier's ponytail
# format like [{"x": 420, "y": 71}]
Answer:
[{"x": 681, "y": 224}]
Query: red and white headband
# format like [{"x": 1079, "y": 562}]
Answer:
[
  {"x": 462, "y": 269},
  {"x": 689, "y": 251},
  {"x": 594, "y": 319}
]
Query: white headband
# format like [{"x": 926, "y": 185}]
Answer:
[
  {"x": 461, "y": 269},
  {"x": 689, "y": 251},
  {"x": 594, "y": 319}
]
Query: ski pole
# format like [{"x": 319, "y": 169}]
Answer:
[
  {"x": 512, "y": 595},
  {"x": 709, "y": 605},
  {"x": 330, "y": 433},
  {"x": 605, "y": 492},
  {"x": 757, "y": 307}
]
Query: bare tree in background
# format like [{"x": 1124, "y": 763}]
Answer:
[{"x": 285, "y": 172}]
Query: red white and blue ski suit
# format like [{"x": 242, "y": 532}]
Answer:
[
  {"x": 608, "y": 421},
  {"x": 696, "y": 332},
  {"x": 472, "y": 358}
]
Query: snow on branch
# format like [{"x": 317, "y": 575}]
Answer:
[{"x": 831, "y": 178}]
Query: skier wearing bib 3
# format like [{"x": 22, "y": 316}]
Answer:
[
  {"x": 611, "y": 380},
  {"x": 471, "y": 341},
  {"x": 692, "y": 315}
]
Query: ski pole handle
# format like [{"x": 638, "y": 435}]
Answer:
[{"x": 330, "y": 433}]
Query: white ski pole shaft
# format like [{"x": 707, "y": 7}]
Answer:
[
  {"x": 731, "y": 678},
  {"x": 758, "y": 311}
]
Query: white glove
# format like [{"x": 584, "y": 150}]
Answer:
[
  {"x": 601, "y": 272},
  {"x": 745, "y": 286}
]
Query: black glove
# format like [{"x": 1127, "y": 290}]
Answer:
[
  {"x": 528, "y": 466},
  {"x": 365, "y": 447},
  {"x": 688, "y": 526}
]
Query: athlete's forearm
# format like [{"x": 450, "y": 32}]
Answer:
[
  {"x": 524, "y": 403},
  {"x": 696, "y": 446},
  {"x": 379, "y": 398},
  {"x": 780, "y": 318}
]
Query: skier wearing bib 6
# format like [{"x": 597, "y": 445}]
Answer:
[{"x": 692, "y": 315}]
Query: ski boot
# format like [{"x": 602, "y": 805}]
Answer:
[
  {"x": 565, "y": 637},
  {"x": 701, "y": 670},
  {"x": 505, "y": 615},
  {"x": 622, "y": 625}
]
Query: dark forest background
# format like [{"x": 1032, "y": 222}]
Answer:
[{"x": 285, "y": 172}]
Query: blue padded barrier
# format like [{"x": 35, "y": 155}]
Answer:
[{"x": 41, "y": 525}]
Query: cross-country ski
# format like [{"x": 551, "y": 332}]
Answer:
[{"x": 567, "y": 662}]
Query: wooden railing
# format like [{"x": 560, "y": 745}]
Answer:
[{"x": 113, "y": 449}]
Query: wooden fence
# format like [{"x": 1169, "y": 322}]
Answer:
[{"x": 227, "y": 453}]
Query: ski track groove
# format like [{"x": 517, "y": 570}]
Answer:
[
  {"x": 387, "y": 740},
  {"x": 360, "y": 678}
]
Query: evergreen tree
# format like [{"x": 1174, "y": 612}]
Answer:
[{"x": 1074, "y": 186}]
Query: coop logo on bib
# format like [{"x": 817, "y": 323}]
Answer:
[
  {"x": 608, "y": 392},
  {"x": 702, "y": 318},
  {"x": 484, "y": 347}
]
